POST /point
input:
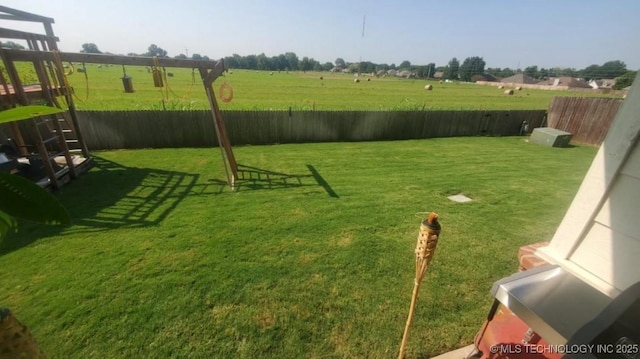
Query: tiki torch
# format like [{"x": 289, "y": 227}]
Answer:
[{"x": 425, "y": 248}]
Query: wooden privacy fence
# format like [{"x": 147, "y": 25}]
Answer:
[
  {"x": 156, "y": 129},
  {"x": 588, "y": 119}
]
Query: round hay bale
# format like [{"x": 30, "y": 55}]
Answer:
[
  {"x": 368, "y": 79},
  {"x": 519, "y": 88},
  {"x": 508, "y": 92},
  {"x": 440, "y": 81},
  {"x": 428, "y": 87},
  {"x": 356, "y": 80},
  {"x": 321, "y": 78},
  {"x": 271, "y": 73},
  {"x": 500, "y": 87}
]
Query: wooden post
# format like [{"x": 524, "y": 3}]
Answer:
[
  {"x": 21, "y": 96},
  {"x": 228, "y": 158}
]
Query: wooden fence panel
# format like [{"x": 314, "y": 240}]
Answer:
[
  {"x": 588, "y": 119},
  {"x": 143, "y": 129}
]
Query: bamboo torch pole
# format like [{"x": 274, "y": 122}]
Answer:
[{"x": 425, "y": 249}]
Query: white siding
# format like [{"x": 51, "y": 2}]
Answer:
[{"x": 599, "y": 237}]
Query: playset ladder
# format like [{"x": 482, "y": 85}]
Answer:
[
  {"x": 52, "y": 136},
  {"x": 52, "y": 144}
]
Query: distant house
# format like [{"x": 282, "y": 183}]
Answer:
[
  {"x": 485, "y": 77},
  {"x": 438, "y": 75},
  {"x": 406, "y": 74},
  {"x": 602, "y": 84},
  {"x": 519, "y": 79},
  {"x": 565, "y": 81}
]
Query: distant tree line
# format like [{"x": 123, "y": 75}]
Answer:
[{"x": 471, "y": 69}]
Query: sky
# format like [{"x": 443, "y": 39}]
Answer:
[{"x": 505, "y": 33}]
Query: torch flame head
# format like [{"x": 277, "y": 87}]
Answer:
[{"x": 432, "y": 223}]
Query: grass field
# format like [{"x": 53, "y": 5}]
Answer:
[
  {"x": 258, "y": 90},
  {"x": 312, "y": 258}
]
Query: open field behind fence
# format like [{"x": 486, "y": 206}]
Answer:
[
  {"x": 159, "y": 129},
  {"x": 260, "y": 90}
]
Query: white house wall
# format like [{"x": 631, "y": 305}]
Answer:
[{"x": 599, "y": 237}]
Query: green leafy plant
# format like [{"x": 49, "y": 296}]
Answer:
[{"x": 21, "y": 198}]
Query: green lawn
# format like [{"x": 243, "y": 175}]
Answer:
[
  {"x": 312, "y": 258},
  {"x": 258, "y": 90}
]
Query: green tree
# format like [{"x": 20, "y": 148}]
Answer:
[
  {"x": 90, "y": 48},
  {"x": 12, "y": 45},
  {"x": 471, "y": 66},
  {"x": 263, "y": 62},
  {"x": 531, "y": 71},
  {"x": 498, "y": 72},
  {"x": 231, "y": 62},
  {"x": 305, "y": 64},
  {"x": 327, "y": 66},
  {"x": 426, "y": 71},
  {"x": 251, "y": 61},
  {"x": 340, "y": 63},
  {"x": 181, "y": 56},
  {"x": 452, "y": 69},
  {"x": 282, "y": 63},
  {"x": 292, "y": 61},
  {"x": 431, "y": 69},
  {"x": 543, "y": 73},
  {"x": 367, "y": 67},
  {"x": 612, "y": 69},
  {"x": 154, "y": 50},
  {"x": 196, "y": 57},
  {"x": 405, "y": 65},
  {"x": 564, "y": 71},
  {"x": 625, "y": 80},
  {"x": 591, "y": 72}
]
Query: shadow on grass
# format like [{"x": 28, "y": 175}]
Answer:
[
  {"x": 257, "y": 178},
  {"x": 113, "y": 196}
]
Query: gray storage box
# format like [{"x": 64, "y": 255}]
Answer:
[{"x": 550, "y": 137}]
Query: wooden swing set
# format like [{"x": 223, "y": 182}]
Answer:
[{"x": 57, "y": 143}]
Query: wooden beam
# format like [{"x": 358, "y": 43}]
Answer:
[
  {"x": 224, "y": 143},
  {"x": 23, "y": 16},
  {"x": 10, "y": 67},
  {"x": 214, "y": 73},
  {"x": 15, "y": 34},
  {"x": 27, "y": 55}
]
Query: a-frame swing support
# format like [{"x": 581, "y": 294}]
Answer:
[{"x": 209, "y": 72}]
